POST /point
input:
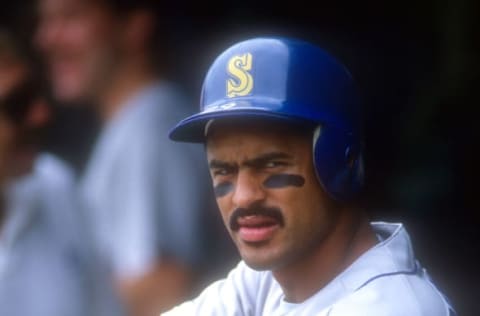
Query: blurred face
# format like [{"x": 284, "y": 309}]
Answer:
[
  {"x": 266, "y": 188},
  {"x": 79, "y": 41}
]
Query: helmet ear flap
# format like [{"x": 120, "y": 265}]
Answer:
[
  {"x": 355, "y": 165},
  {"x": 338, "y": 161}
]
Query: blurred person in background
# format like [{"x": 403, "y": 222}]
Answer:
[
  {"x": 145, "y": 197},
  {"x": 44, "y": 261}
]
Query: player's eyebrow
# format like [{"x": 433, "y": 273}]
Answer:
[
  {"x": 218, "y": 164},
  {"x": 254, "y": 162},
  {"x": 261, "y": 160}
]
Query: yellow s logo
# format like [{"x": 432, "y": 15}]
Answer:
[{"x": 242, "y": 83}]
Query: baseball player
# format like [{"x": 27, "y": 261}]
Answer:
[{"x": 280, "y": 119}]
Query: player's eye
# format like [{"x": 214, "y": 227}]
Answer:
[
  {"x": 274, "y": 164},
  {"x": 224, "y": 171},
  {"x": 220, "y": 172}
]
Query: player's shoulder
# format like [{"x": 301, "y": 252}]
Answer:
[
  {"x": 162, "y": 102},
  {"x": 395, "y": 295},
  {"x": 54, "y": 170}
]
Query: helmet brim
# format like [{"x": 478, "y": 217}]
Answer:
[{"x": 193, "y": 128}]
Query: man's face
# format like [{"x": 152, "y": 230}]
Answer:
[
  {"x": 270, "y": 199},
  {"x": 79, "y": 40}
]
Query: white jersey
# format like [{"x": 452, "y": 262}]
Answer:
[
  {"x": 46, "y": 267},
  {"x": 385, "y": 281},
  {"x": 145, "y": 195}
]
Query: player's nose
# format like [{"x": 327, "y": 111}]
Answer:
[{"x": 248, "y": 190}]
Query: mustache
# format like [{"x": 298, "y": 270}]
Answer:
[{"x": 273, "y": 212}]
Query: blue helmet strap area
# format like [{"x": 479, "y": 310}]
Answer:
[{"x": 338, "y": 161}]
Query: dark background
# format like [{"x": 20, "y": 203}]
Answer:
[{"x": 418, "y": 65}]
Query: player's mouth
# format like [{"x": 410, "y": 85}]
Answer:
[
  {"x": 257, "y": 228},
  {"x": 254, "y": 226}
]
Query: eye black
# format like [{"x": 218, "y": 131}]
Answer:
[
  {"x": 284, "y": 180},
  {"x": 223, "y": 189}
]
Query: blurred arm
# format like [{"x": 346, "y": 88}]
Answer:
[{"x": 165, "y": 285}]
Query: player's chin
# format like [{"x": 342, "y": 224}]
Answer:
[
  {"x": 258, "y": 259},
  {"x": 257, "y": 265}
]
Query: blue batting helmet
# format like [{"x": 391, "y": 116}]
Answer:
[{"x": 292, "y": 80}]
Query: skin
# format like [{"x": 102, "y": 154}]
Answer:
[
  {"x": 79, "y": 40},
  {"x": 94, "y": 54},
  {"x": 297, "y": 231}
]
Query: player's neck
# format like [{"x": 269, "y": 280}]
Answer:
[{"x": 347, "y": 241}]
